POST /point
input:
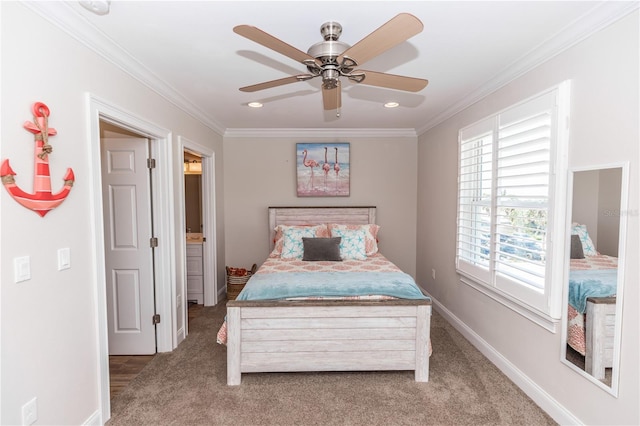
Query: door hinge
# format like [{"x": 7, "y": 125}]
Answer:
[
  {"x": 156, "y": 319},
  {"x": 151, "y": 163},
  {"x": 153, "y": 242}
]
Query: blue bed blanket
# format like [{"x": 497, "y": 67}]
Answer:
[
  {"x": 591, "y": 283},
  {"x": 275, "y": 286}
]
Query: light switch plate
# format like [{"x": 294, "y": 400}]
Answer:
[
  {"x": 22, "y": 269},
  {"x": 64, "y": 258}
]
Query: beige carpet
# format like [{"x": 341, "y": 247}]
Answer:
[{"x": 188, "y": 387}]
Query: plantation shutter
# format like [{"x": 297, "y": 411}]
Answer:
[
  {"x": 506, "y": 198},
  {"x": 523, "y": 172},
  {"x": 474, "y": 197}
]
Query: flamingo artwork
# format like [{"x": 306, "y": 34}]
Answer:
[
  {"x": 325, "y": 167},
  {"x": 312, "y": 168},
  {"x": 311, "y": 163}
]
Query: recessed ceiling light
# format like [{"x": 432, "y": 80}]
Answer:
[
  {"x": 391, "y": 105},
  {"x": 255, "y": 104}
]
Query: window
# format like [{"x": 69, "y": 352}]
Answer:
[{"x": 511, "y": 186}]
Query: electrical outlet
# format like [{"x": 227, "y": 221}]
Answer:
[
  {"x": 433, "y": 274},
  {"x": 30, "y": 412}
]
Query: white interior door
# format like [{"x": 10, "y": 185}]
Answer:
[{"x": 128, "y": 229}]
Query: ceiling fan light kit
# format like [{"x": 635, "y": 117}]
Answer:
[{"x": 331, "y": 59}]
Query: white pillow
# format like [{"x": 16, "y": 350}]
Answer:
[{"x": 352, "y": 245}]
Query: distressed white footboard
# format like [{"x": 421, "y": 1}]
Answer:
[
  {"x": 327, "y": 336},
  {"x": 600, "y": 333}
]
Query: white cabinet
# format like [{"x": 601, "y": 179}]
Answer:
[{"x": 195, "y": 281}]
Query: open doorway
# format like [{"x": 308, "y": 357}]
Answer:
[
  {"x": 160, "y": 149},
  {"x": 199, "y": 226},
  {"x": 194, "y": 228},
  {"x": 128, "y": 235},
  {"x": 130, "y": 285}
]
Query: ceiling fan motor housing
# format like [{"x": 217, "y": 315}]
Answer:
[{"x": 327, "y": 52}]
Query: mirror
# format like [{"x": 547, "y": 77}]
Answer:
[
  {"x": 595, "y": 256},
  {"x": 193, "y": 193}
]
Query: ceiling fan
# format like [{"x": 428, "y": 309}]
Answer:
[{"x": 332, "y": 59}]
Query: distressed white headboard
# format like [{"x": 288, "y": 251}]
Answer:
[{"x": 318, "y": 215}]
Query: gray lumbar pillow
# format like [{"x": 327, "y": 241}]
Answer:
[
  {"x": 576, "y": 247},
  {"x": 316, "y": 249}
]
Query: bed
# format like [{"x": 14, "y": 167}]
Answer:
[
  {"x": 304, "y": 330},
  {"x": 592, "y": 303}
]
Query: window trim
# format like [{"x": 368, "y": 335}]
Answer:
[
  {"x": 545, "y": 321},
  {"x": 548, "y": 309}
]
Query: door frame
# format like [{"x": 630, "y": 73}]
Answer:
[
  {"x": 209, "y": 253},
  {"x": 163, "y": 217}
]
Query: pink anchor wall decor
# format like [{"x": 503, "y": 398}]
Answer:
[{"x": 41, "y": 201}]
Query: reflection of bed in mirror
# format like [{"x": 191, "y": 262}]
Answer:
[{"x": 592, "y": 303}]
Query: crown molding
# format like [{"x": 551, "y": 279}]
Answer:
[
  {"x": 66, "y": 18},
  {"x": 320, "y": 133},
  {"x": 62, "y": 15},
  {"x": 599, "y": 17}
]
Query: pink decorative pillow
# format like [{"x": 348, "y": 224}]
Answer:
[
  {"x": 321, "y": 231},
  {"x": 371, "y": 235}
]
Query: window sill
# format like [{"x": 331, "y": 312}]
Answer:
[{"x": 543, "y": 320}]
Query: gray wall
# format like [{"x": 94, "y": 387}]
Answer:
[
  {"x": 604, "y": 130},
  {"x": 49, "y": 323},
  {"x": 261, "y": 172},
  {"x": 596, "y": 204}
]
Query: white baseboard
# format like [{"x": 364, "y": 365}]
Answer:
[
  {"x": 558, "y": 412},
  {"x": 181, "y": 336},
  {"x": 93, "y": 420}
]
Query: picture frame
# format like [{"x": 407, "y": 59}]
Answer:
[{"x": 323, "y": 169}]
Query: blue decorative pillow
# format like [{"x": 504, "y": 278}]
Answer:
[
  {"x": 587, "y": 245},
  {"x": 352, "y": 245},
  {"x": 292, "y": 247}
]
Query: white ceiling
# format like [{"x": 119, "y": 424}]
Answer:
[{"x": 188, "y": 52}]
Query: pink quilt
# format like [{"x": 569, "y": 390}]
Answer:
[
  {"x": 376, "y": 262},
  {"x": 373, "y": 263}
]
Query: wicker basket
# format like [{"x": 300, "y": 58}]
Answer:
[{"x": 235, "y": 283}]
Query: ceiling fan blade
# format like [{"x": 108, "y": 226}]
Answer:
[
  {"x": 332, "y": 98},
  {"x": 276, "y": 83},
  {"x": 267, "y": 40},
  {"x": 392, "y": 81},
  {"x": 394, "y": 32}
]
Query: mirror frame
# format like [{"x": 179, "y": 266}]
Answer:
[{"x": 624, "y": 196}]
